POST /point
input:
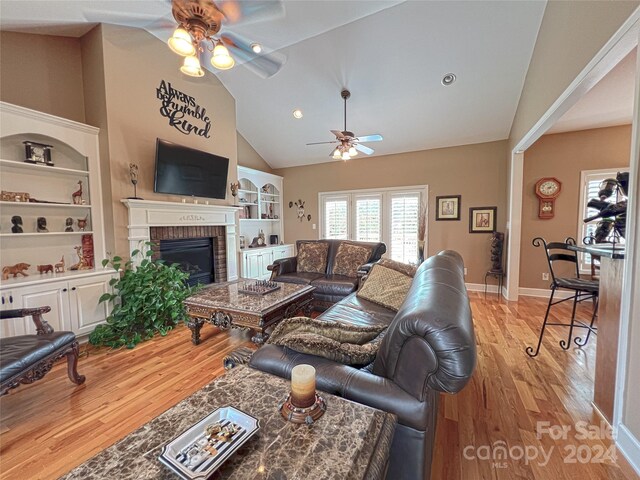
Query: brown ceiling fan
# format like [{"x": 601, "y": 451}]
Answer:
[{"x": 349, "y": 144}]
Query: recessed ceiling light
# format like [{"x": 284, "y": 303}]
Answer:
[
  {"x": 256, "y": 47},
  {"x": 297, "y": 113},
  {"x": 448, "y": 79}
]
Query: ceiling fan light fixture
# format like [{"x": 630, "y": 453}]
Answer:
[
  {"x": 191, "y": 67},
  {"x": 221, "y": 58},
  {"x": 352, "y": 151},
  {"x": 336, "y": 154},
  {"x": 345, "y": 156},
  {"x": 181, "y": 43},
  {"x": 256, "y": 47}
]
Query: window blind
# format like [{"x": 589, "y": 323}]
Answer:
[
  {"x": 368, "y": 219},
  {"x": 336, "y": 219},
  {"x": 404, "y": 227}
]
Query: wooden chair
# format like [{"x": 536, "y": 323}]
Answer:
[
  {"x": 583, "y": 289},
  {"x": 27, "y": 358}
]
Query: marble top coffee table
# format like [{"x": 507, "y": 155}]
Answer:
[
  {"x": 349, "y": 442},
  {"x": 222, "y": 305}
]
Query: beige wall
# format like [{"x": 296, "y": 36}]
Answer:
[
  {"x": 42, "y": 72},
  {"x": 564, "y": 156},
  {"x": 248, "y": 157},
  {"x": 131, "y": 76},
  {"x": 477, "y": 172},
  {"x": 571, "y": 34}
]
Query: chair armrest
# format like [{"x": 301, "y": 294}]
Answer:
[
  {"x": 42, "y": 327},
  {"x": 282, "y": 266}
]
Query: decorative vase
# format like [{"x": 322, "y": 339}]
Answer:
[{"x": 420, "y": 251}]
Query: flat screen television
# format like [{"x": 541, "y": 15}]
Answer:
[{"x": 186, "y": 171}]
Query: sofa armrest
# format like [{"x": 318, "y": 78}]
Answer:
[
  {"x": 42, "y": 327},
  {"x": 282, "y": 266},
  {"x": 366, "y": 268}
]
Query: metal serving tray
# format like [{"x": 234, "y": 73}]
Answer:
[{"x": 185, "y": 455}]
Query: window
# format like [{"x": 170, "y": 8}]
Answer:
[
  {"x": 590, "y": 181},
  {"x": 387, "y": 215}
]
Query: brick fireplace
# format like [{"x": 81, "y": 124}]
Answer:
[{"x": 156, "y": 221}]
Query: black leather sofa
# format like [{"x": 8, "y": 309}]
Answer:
[
  {"x": 330, "y": 288},
  {"x": 428, "y": 348}
]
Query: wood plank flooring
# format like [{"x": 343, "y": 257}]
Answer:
[{"x": 51, "y": 426}]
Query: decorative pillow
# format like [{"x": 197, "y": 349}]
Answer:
[
  {"x": 406, "y": 268},
  {"x": 343, "y": 343},
  {"x": 312, "y": 257},
  {"x": 349, "y": 258},
  {"x": 385, "y": 287}
]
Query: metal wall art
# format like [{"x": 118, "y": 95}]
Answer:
[{"x": 182, "y": 111}]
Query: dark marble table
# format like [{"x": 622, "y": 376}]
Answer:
[
  {"x": 223, "y": 305},
  {"x": 351, "y": 441}
]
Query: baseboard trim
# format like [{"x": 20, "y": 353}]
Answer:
[
  {"x": 629, "y": 446},
  {"x": 542, "y": 292},
  {"x": 479, "y": 287}
]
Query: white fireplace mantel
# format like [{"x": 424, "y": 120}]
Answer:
[{"x": 144, "y": 214}]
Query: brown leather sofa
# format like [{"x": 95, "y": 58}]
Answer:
[
  {"x": 428, "y": 348},
  {"x": 330, "y": 288}
]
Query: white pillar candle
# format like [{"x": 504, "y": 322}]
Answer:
[{"x": 303, "y": 385}]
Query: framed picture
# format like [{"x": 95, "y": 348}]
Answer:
[
  {"x": 448, "y": 207},
  {"x": 482, "y": 219}
]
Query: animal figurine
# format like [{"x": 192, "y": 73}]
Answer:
[
  {"x": 16, "y": 222},
  {"x": 42, "y": 225},
  {"x": 83, "y": 263},
  {"x": 14, "y": 270},
  {"x": 60, "y": 265},
  {"x": 45, "y": 269},
  {"x": 77, "y": 195},
  {"x": 68, "y": 224},
  {"x": 82, "y": 222}
]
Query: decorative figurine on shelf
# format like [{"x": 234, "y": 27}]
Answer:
[
  {"x": 15, "y": 270},
  {"x": 60, "y": 266},
  {"x": 42, "y": 225},
  {"x": 83, "y": 263},
  {"x": 68, "y": 224},
  {"x": 497, "y": 244},
  {"x": 133, "y": 174},
  {"x": 38, "y": 153},
  {"x": 82, "y": 222},
  {"x": 235, "y": 186},
  {"x": 77, "y": 195},
  {"x": 44, "y": 269},
  {"x": 16, "y": 222}
]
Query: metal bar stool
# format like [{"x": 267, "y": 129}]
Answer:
[{"x": 582, "y": 289}]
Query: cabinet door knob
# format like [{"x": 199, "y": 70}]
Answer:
[
  {"x": 73, "y": 288},
  {"x": 3, "y": 300},
  {"x": 10, "y": 298},
  {"x": 64, "y": 289}
]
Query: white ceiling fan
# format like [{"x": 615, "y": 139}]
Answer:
[{"x": 349, "y": 144}]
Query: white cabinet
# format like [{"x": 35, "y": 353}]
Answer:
[
  {"x": 54, "y": 295},
  {"x": 255, "y": 261},
  {"x": 85, "y": 312}
]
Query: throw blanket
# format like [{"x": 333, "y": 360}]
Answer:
[{"x": 343, "y": 343}]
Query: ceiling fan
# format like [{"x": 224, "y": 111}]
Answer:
[
  {"x": 349, "y": 144},
  {"x": 199, "y": 31}
]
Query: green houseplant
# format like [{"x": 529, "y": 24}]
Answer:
[{"x": 147, "y": 299}]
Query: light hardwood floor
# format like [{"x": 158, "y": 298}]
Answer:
[{"x": 51, "y": 426}]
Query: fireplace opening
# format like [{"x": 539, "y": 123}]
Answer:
[{"x": 193, "y": 256}]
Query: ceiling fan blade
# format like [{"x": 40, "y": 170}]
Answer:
[
  {"x": 322, "y": 143},
  {"x": 338, "y": 134},
  {"x": 369, "y": 138},
  {"x": 243, "y": 11},
  {"x": 363, "y": 149},
  {"x": 263, "y": 64}
]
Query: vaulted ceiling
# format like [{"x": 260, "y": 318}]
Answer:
[{"x": 391, "y": 55}]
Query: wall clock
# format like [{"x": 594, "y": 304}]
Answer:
[{"x": 547, "y": 190}]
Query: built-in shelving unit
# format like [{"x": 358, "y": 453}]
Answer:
[{"x": 72, "y": 294}]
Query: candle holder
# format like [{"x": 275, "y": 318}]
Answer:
[{"x": 306, "y": 415}]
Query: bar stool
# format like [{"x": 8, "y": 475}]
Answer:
[{"x": 582, "y": 289}]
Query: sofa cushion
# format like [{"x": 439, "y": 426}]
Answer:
[
  {"x": 343, "y": 343},
  {"x": 349, "y": 257},
  {"x": 335, "y": 285},
  {"x": 301, "y": 278},
  {"x": 406, "y": 268},
  {"x": 358, "y": 311},
  {"x": 312, "y": 257},
  {"x": 24, "y": 351},
  {"x": 385, "y": 287}
]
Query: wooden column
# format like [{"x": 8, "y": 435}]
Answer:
[{"x": 611, "y": 271}]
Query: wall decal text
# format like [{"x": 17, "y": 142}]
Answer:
[{"x": 184, "y": 114}]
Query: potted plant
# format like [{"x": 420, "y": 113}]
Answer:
[{"x": 147, "y": 299}]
